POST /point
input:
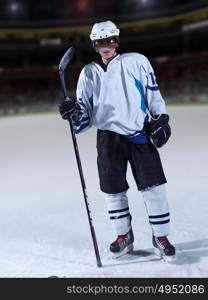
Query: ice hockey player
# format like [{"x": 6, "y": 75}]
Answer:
[{"x": 117, "y": 94}]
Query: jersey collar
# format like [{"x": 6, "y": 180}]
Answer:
[{"x": 105, "y": 66}]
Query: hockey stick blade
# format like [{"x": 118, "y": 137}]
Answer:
[
  {"x": 62, "y": 67},
  {"x": 66, "y": 59}
]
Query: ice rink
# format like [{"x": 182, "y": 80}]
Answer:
[{"x": 44, "y": 229}]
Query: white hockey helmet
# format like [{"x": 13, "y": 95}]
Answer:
[{"x": 103, "y": 30}]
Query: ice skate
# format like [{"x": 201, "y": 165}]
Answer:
[
  {"x": 163, "y": 248},
  {"x": 122, "y": 245}
]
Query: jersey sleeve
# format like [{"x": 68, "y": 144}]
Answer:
[
  {"x": 153, "y": 97},
  {"x": 84, "y": 94}
]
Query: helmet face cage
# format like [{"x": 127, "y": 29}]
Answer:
[{"x": 109, "y": 42}]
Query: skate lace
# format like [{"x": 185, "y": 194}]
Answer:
[
  {"x": 164, "y": 242},
  {"x": 121, "y": 239}
]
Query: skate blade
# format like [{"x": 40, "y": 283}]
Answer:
[
  {"x": 169, "y": 259},
  {"x": 128, "y": 249},
  {"x": 165, "y": 258}
]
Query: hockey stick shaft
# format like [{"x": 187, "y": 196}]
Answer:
[{"x": 62, "y": 66}]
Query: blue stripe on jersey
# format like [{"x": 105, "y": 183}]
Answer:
[
  {"x": 137, "y": 139},
  {"x": 81, "y": 127},
  {"x": 140, "y": 89},
  {"x": 80, "y": 102},
  {"x": 91, "y": 101},
  {"x": 78, "y": 123},
  {"x": 153, "y": 78},
  {"x": 153, "y": 88}
]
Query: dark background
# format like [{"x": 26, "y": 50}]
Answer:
[{"x": 35, "y": 34}]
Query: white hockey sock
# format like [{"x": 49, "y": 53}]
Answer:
[
  {"x": 118, "y": 211},
  {"x": 156, "y": 203}
]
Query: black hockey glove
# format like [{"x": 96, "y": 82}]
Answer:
[
  {"x": 69, "y": 108},
  {"x": 66, "y": 108},
  {"x": 160, "y": 130}
]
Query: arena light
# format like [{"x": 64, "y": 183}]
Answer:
[
  {"x": 15, "y": 7},
  {"x": 82, "y": 4},
  {"x": 194, "y": 26},
  {"x": 51, "y": 42}
]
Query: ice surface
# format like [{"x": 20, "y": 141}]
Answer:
[{"x": 44, "y": 229}]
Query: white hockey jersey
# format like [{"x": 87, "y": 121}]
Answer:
[{"x": 116, "y": 96}]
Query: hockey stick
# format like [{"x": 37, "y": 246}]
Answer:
[{"x": 62, "y": 67}]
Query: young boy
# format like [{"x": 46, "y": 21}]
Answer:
[{"x": 117, "y": 94}]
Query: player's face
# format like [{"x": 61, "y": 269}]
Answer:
[
  {"x": 106, "y": 47},
  {"x": 107, "y": 54}
]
